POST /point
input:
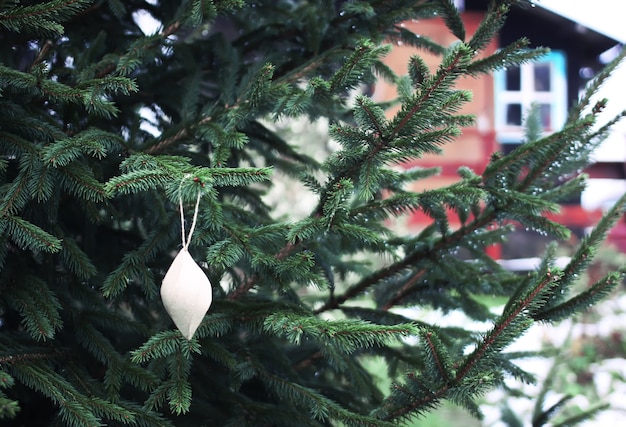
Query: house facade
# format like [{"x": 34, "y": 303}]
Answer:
[{"x": 501, "y": 100}]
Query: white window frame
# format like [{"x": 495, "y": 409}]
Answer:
[{"x": 556, "y": 97}]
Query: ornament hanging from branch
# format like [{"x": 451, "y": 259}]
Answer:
[{"x": 186, "y": 291}]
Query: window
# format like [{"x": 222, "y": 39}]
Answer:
[{"x": 542, "y": 82}]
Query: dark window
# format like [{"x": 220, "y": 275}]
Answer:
[
  {"x": 542, "y": 77},
  {"x": 513, "y": 79},
  {"x": 514, "y": 114}
]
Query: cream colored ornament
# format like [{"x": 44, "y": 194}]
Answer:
[{"x": 186, "y": 291}]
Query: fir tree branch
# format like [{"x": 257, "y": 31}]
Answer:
[
  {"x": 516, "y": 312},
  {"x": 308, "y": 67},
  {"x": 182, "y": 134},
  {"x": 427, "y": 401},
  {"x": 577, "y": 110},
  {"x": 406, "y": 290},
  {"x": 452, "y": 18},
  {"x": 459, "y": 58},
  {"x": 441, "y": 359},
  {"x": 27, "y": 357},
  {"x": 41, "y": 17},
  {"x": 538, "y": 171},
  {"x": 17, "y": 196},
  {"x": 43, "y": 53},
  {"x": 581, "y": 301},
  {"x": 27, "y": 235},
  {"x": 243, "y": 289},
  {"x": 507, "y": 328},
  {"x": 318, "y": 405},
  {"x": 450, "y": 240}
]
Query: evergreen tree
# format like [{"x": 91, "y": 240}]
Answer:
[{"x": 106, "y": 134}]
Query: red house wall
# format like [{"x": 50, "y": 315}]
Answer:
[{"x": 474, "y": 146}]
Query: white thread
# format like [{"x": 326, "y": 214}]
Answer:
[
  {"x": 186, "y": 241},
  {"x": 193, "y": 221}
]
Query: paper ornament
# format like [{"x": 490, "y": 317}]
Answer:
[{"x": 186, "y": 291}]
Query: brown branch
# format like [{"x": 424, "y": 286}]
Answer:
[
  {"x": 408, "y": 288},
  {"x": 395, "y": 268},
  {"x": 308, "y": 361},
  {"x": 433, "y": 350},
  {"x": 181, "y": 134},
  {"x": 251, "y": 281},
  {"x": 13, "y": 359},
  {"x": 43, "y": 53}
]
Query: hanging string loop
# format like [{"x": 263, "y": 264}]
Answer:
[{"x": 186, "y": 240}]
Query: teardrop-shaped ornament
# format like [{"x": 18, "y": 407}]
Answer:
[{"x": 186, "y": 293}]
